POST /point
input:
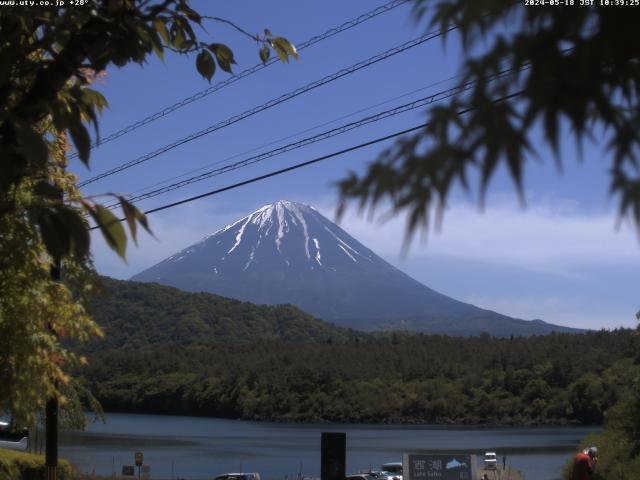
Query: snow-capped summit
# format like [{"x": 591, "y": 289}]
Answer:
[
  {"x": 287, "y": 252},
  {"x": 284, "y": 235}
]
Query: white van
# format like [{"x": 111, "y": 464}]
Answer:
[{"x": 490, "y": 461}]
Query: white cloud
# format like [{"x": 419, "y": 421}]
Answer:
[
  {"x": 552, "y": 238},
  {"x": 559, "y": 310},
  {"x": 547, "y": 237}
]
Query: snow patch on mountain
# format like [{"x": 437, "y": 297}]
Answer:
[
  {"x": 239, "y": 235},
  {"x": 347, "y": 253},
  {"x": 318, "y": 256}
]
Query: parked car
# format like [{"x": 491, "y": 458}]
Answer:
[
  {"x": 490, "y": 461},
  {"x": 13, "y": 439},
  {"x": 380, "y": 475},
  {"x": 238, "y": 476},
  {"x": 393, "y": 470},
  {"x": 360, "y": 476},
  {"x": 392, "y": 476}
]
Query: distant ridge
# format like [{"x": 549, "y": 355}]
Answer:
[
  {"x": 288, "y": 253},
  {"x": 137, "y": 315}
]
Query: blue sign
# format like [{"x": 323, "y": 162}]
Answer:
[{"x": 438, "y": 466}]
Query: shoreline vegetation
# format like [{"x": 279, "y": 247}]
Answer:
[
  {"x": 385, "y": 422},
  {"x": 30, "y": 466},
  {"x": 560, "y": 379}
]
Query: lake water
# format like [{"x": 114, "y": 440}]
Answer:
[{"x": 200, "y": 448}]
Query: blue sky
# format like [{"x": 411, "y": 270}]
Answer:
[{"x": 561, "y": 259}]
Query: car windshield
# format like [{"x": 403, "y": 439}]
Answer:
[{"x": 392, "y": 468}]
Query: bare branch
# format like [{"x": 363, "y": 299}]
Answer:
[{"x": 229, "y": 22}]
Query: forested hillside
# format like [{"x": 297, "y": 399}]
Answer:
[
  {"x": 136, "y": 315},
  {"x": 559, "y": 378}
]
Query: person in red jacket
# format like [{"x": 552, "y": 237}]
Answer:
[{"x": 584, "y": 463}]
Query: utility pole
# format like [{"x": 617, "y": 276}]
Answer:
[
  {"x": 333, "y": 454},
  {"x": 51, "y": 409}
]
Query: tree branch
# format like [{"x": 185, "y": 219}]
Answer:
[
  {"x": 155, "y": 10},
  {"x": 175, "y": 50},
  {"x": 229, "y": 22}
]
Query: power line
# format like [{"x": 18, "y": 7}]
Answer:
[
  {"x": 272, "y": 103},
  {"x": 307, "y": 163},
  {"x": 421, "y": 102},
  {"x": 293, "y": 135},
  {"x": 247, "y": 72},
  {"x": 279, "y": 172}
]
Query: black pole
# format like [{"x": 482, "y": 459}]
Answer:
[
  {"x": 52, "y": 438},
  {"x": 333, "y": 448},
  {"x": 51, "y": 412}
]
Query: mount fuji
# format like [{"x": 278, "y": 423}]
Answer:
[{"x": 287, "y": 252}]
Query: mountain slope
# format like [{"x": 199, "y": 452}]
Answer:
[
  {"x": 136, "y": 315},
  {"x": 287, "y": 252}
]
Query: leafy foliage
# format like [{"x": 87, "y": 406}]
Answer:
[
  {"x": 574, "y": 71},
  {"x": 619, "y": 443},
  {"x": 26, "y": 466},
  {"x": 48, "y": 59},
  {"x": 39, "y": 316}
]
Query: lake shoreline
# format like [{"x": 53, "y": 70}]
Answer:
[
  {"x": 200, "y": 447},
  {"x": 400, "y": 421}
]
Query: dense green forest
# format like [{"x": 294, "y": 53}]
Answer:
[
  {"x": 554, "y": 379},
  {"x": 135, "y": 315}
]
